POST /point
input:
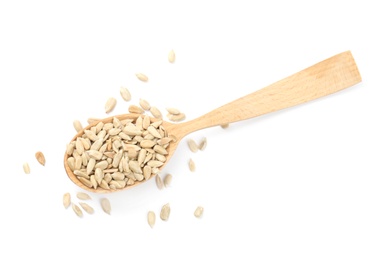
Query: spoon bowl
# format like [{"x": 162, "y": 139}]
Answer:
[{"x": 324, "y": 78}]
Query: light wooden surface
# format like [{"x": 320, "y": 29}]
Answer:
[{"x": 326, "y": 77}]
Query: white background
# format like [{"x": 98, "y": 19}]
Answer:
[{"x": 310, "y": 182}]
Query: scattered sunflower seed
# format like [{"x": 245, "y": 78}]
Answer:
[
  {"x": 135, "y": 109},
  {"x": 26, "y": 168},
  {"x": 192, "y": 145},
  {"x": 106, "y": 206},
  {"x": 125, "y": 93},
  {"x": 144, "y": 104},
  {"x": 151, "y": 219},
  {"x": 165, "y": 211},
  {"x": 203, "y": 144},
  {"x": 171, "y": 56},
  {"x": 173, "y": 111},
  {"x": 110, "y": 104},
  {"x": 86, "y": 208},
  {"x": 159, "y": 182},
  {"x": 77, "y": 210},
  {"x": 40, "y": 158},
  {"x": 167, "y": 180},
  {"x": 224, "y": 126},
  {"x": 191, "y": 165},
  {"x": 83, "y": 196},
  {"x": 77, "y": 126},
  {"x": 142, "y": 77},
  {"x": 155, "y": 112},
  {"x": 198, "y": 212},
  {"x": 66, "y": 200},
  {"x": 92, "y": 120}
]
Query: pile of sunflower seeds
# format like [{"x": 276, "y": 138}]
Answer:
[{"x": 120, "y": 153}]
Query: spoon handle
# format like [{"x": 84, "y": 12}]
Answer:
[{"x": 324, "y": 78}]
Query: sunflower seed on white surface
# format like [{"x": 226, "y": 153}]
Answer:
[
  {"x": 125, "y": 93},
  {"x": 165, "y": 212},
  {"x": 192, "y": 145},
  {"x": 167, "y": 180},
  {"x": 151, "y": 218},
  {"x": 83, "y": 196},
  {"x": 40, "y": 158},
  {"x": 77, "y": 210},
  {"x": 191, "y": 165},
  {"x": 86, "y": 207},
  {"x": 171, "y": 56},
  {"x": 203, "y": 143},
  {"x": 106, "y": 206},
  {"x": 142, "y": 77},
  {"x": 144, "y": 104},
  {"x": 92, "y": 120},
  {"x": 155, "y": 112},
  {"x": 26, "y": 168},
  {"x": 135, "y": 109},
  {"x": 110, "y": 104},
  {"x": 173, "y": 111},
  {"x": 66, "y": 200},
  {"x": 198, "y": 212},
  {"x": 77, "y": 126},
  {"x": 159, "y": 182}
]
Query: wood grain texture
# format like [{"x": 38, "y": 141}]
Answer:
[{"x": 322, "y": 79}]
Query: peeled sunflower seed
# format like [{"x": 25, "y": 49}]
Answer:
[
  {"x": 171, "y": 56},
  {"x": 151, "y": 219},
  {"x": 167, "y": 180},
  {"x": 77, "y": 125},
  {"x": 198, "y": 212},
  {"x": 66, "y": 200},
  {"x": 92, "y": 120},
  {"x": 159, "y": 182},
  {"x": 85, "y": 181},
  {"x": 26, "y": 168},
  {"x": 86, "y": 207},
  {"x": 94, "y": 181},
  {"x": 224, "y": 126},
  {"x": 77, "y": 210},
  {"x": 110, "y": 104},
  {"x": 155, "y": 112},
  {"x": 125, "y": 93},
  {"x": 144, "y": 104},
  {"x": 173, "y": 111},
  {"x": 191, "y": 165},
  {"x": 135, "y": 109},
  {"x": 203, "y": 143},
  {"x": 192, "y": 145},
  {"x": 106, "y": 206},
  {"x": 147, "y": 172},
  {"x": 142, "y": 77},
  {"x": 83, "y": 196},
  {"x": 165, "y": 211}
]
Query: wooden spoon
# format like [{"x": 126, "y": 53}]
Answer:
[{"x": 324, "y": 78}]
